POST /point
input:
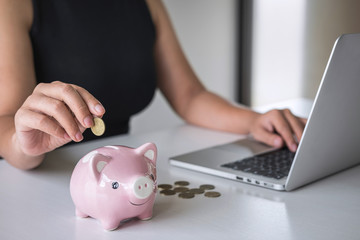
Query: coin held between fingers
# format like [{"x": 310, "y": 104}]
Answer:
[{"x": 99, "y": 127}]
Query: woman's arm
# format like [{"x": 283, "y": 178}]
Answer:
[
  {"x": 193, "y": 102},
  {"x": 17, "y": 76},
  {"x": 34, "y": 119}
]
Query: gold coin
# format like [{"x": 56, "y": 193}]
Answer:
[
  {"x": 167, "y": 192},
  {"x": 99, "y": 127},
  {"x": 212, "y": 194},
  {"x": 164, "y": 186},
  {"x": 186, "y": 195},
  {"x": 181, "y": 189},
  {"x": 182, "y": 183},
  {"x": 207, "y": 187},
  {"x": 196, "y": 191}
]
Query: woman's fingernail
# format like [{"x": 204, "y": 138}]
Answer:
[
  {"x": 293, "y": 147},
  {"x": 88, "y": 122},
  {"x": 99, "y": 108},
  {"x": 79, "y": 137}
]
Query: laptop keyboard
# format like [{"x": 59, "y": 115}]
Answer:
[{"x": 275, "y": 164}]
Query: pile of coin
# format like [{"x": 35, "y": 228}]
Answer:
[{"x": 181, "y": 188}]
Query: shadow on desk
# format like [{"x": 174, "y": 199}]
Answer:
[
  {"x": 63, "y": 160},
  {"x": 54, "y": 165}
]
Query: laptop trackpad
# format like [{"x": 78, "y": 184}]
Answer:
[
  {"x": 216, "y": 156},
  {"x": 245, "y": 147}
]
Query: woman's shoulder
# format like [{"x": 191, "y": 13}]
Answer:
[
  {"x": 16, "y": 13},
  {"x": 15, "y": 54}
]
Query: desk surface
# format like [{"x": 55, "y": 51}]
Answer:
[{"x": 37, "y": 204}]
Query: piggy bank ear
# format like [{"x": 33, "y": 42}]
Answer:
[
  {"x": 97, "y": 164},
  {"x": 148, "y": 150}
]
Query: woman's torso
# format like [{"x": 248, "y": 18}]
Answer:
[{"x": 105, "y": 47}]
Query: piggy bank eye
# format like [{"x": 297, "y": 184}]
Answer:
[
  {"x": 115, "y": 185},
  {"x": 152, "y": 177}
]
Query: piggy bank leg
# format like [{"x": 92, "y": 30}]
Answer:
[
  {"x": 147, "y": 215},
  {"x": 110, "y": 225},
  {"x": 80, "y": 214}
]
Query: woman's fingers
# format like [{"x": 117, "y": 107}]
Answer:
[
  {"x": 68, "y": 94},
  {"x": 95, "y": 107},
  {"x": 277, "y": 127},
  {"x": 34, "y": 129},
  {"x": 67, "y": 106},
  {"x": 297, "y": 124},
  {"x": 34, "y": 120},
  {"x": 268, "y": 137},
  {"x": 283, "y": 128},
  {"x": 54, "y": 114},
  {"x": 59, "y": 111}
]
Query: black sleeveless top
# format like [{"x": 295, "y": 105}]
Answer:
[{"x": 105, "y": 47}]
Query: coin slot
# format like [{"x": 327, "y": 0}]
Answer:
[{"x": 239, "y": 178}]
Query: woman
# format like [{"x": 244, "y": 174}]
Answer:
[{"x": 109, "y": 54}]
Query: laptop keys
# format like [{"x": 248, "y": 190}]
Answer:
[{"x": 275, "y": 164}]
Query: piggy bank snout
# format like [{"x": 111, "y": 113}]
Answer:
[{"x": 143, "y": 187}]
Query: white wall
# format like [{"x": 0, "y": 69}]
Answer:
[
  {"x": 206, "y": 30},
  {"x": 325, "y": 21},
  {"x": 292, "y": 41},
  {"x": 277, "y": 50}
]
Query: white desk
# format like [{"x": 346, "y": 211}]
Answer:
[{"x": 37, "y": 204}]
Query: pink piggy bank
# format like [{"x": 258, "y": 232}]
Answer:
[{"x": 115, "y": 183}]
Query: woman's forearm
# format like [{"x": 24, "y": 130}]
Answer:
[
  {"x": 210, "y": 110},
  {"x": 10, "y": 149}
]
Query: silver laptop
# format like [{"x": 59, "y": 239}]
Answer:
[{"x": 330, "y": 143}]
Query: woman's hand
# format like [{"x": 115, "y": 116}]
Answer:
[
  {"x": 278, "y": 128},
  {"x": 53, "y": 115}
]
